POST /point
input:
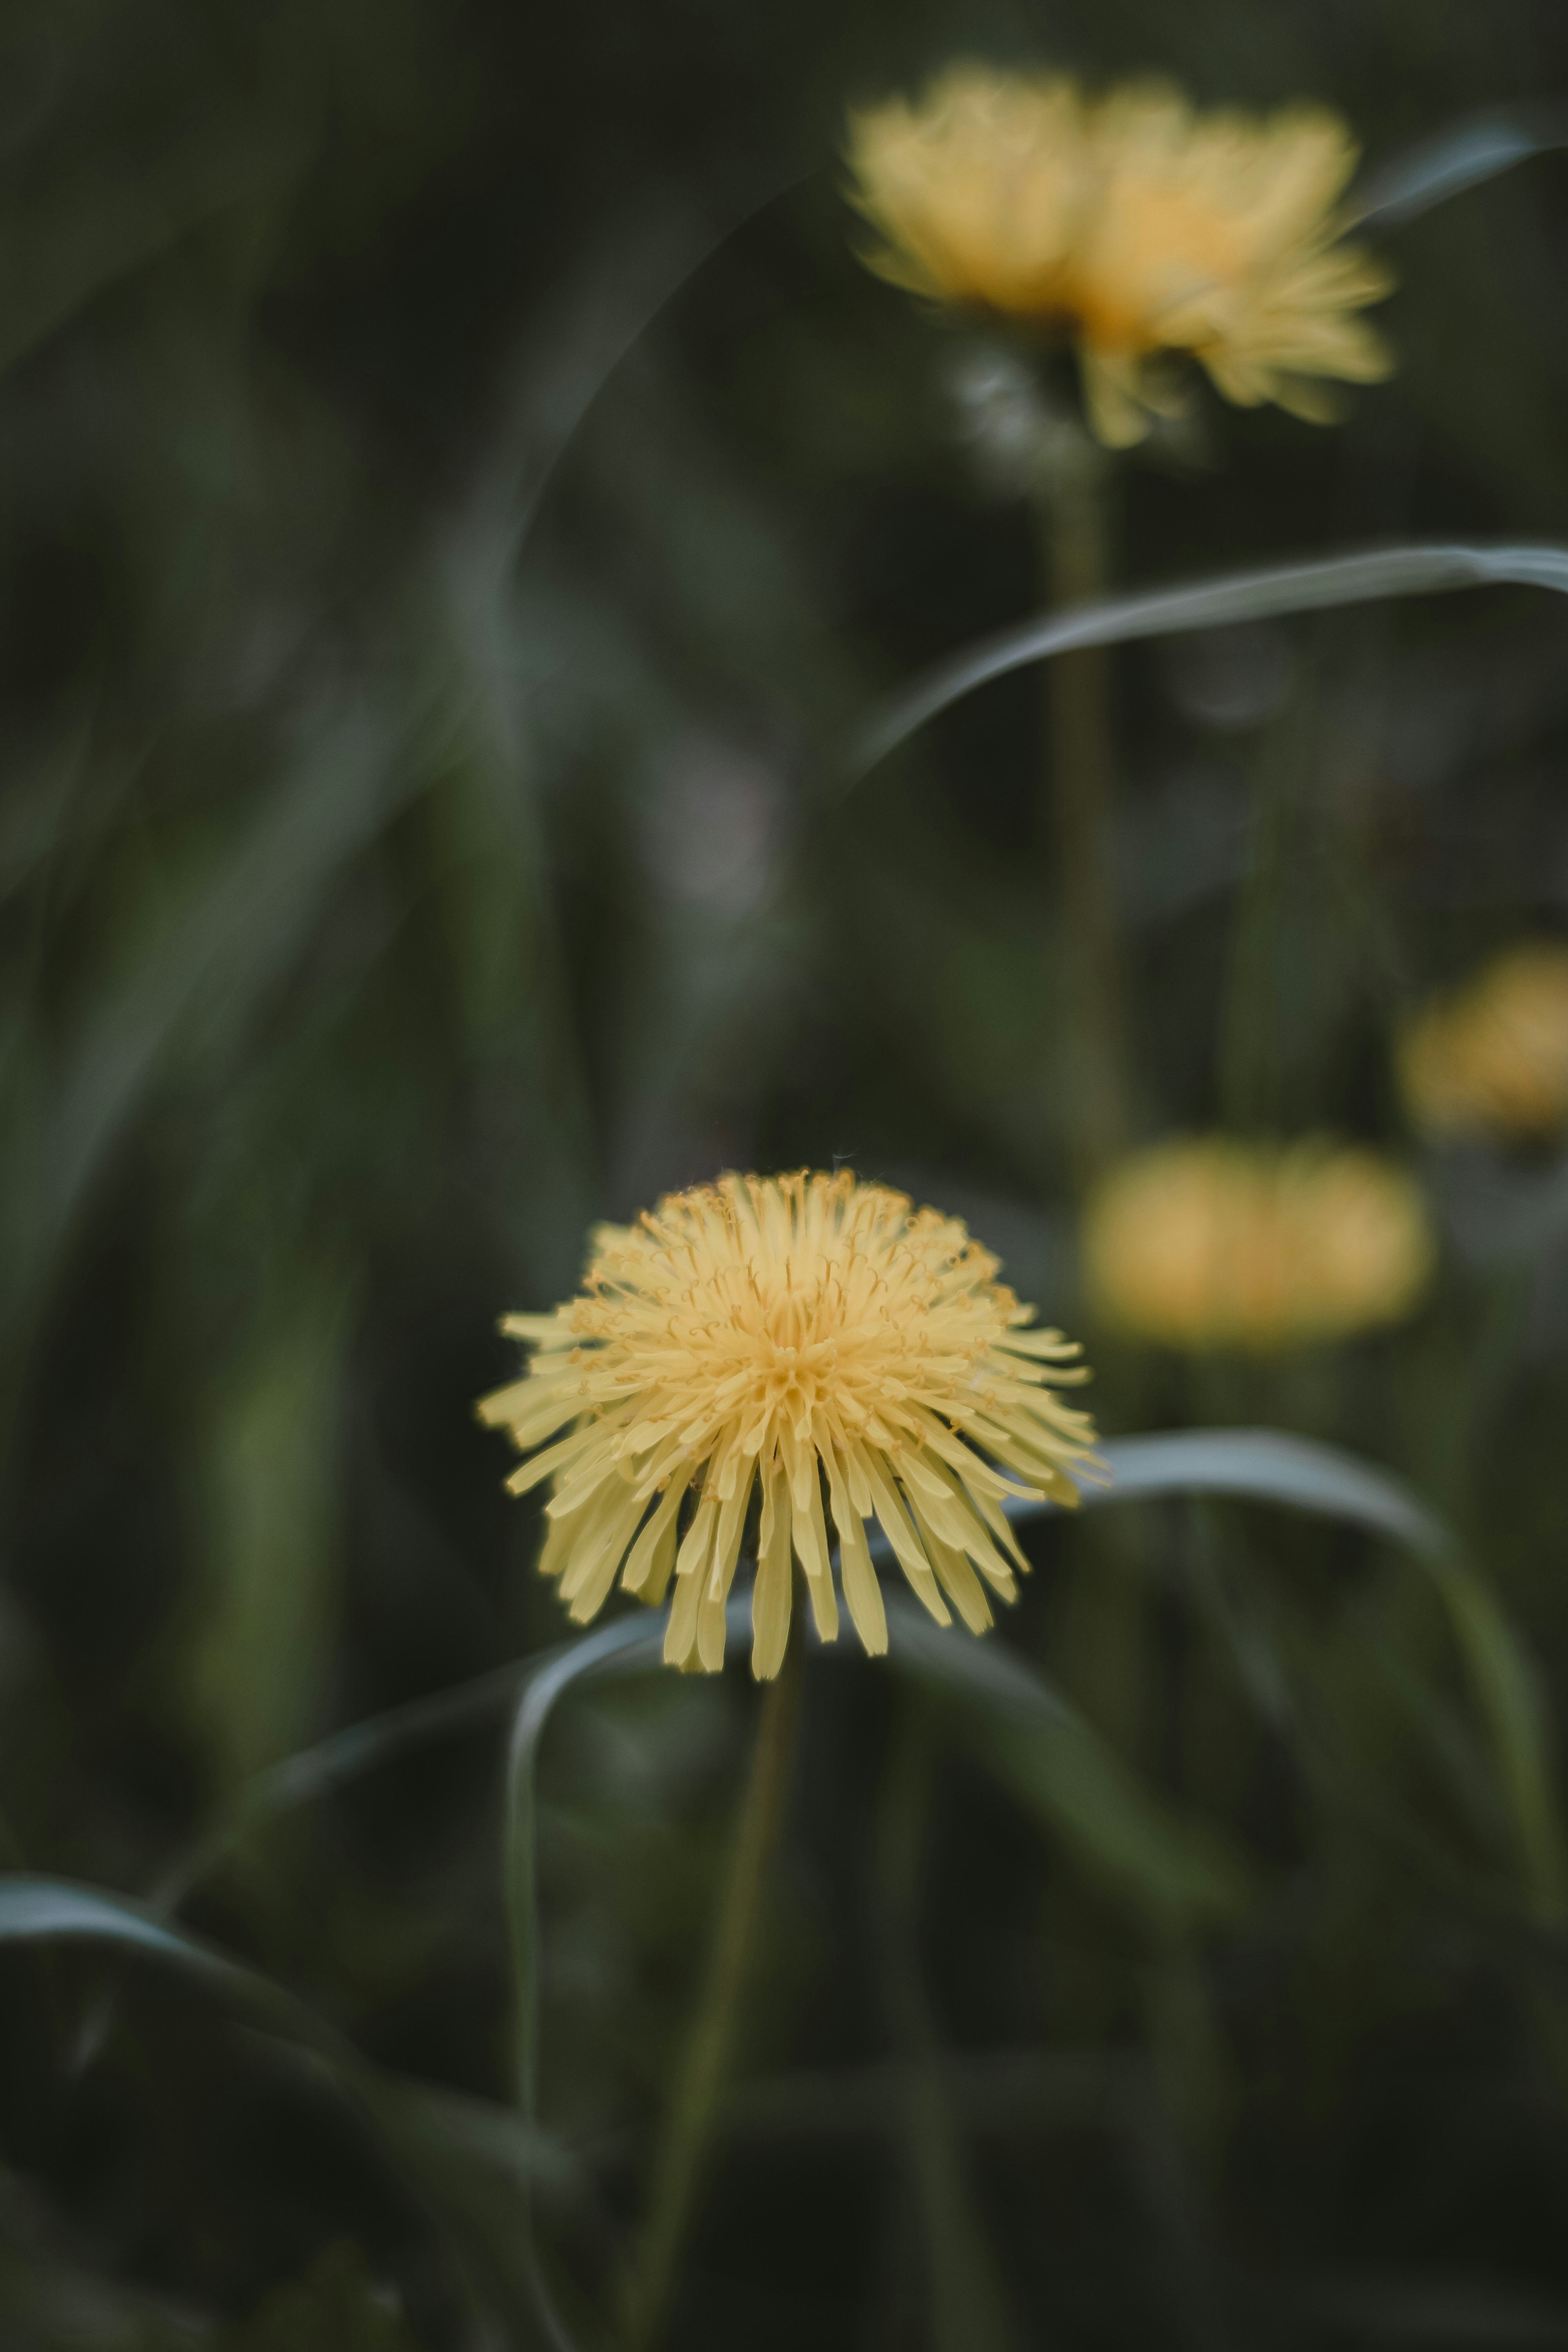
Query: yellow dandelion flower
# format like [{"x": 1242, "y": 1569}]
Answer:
[
  {"x": 1492, "y": 1059},
  {"x": 1134, "y": 225},
  {"x": 1211, "y": 1243},
  {"x": 771, "y": 1334}
]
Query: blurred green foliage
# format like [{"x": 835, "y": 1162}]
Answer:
[{"x": 459, "y": 495}]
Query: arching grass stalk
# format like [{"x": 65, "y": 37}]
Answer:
[
  {"x": 684, "y": 2145},
  {"x": 628, "y": 1642}
]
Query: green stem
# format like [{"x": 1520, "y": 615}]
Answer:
[
  {"x": 683, "y": 2150},
  {"x": 1251, "y": 1042},
  {"x": 1070, "y": 506}
]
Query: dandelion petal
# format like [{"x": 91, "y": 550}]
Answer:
[{"x": 782, "y": 1331}]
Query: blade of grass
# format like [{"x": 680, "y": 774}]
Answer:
[
  {"x": 594, "y": 323},
  {"x": 631, "y": 1645},
  {"x": 1455, "y": 160},
  {"x": 438, "y": 2144},
  {"x": 1275, "y": 590},
  {"x": 1267, "y": 1466}
]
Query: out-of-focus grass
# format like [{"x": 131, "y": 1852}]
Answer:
[{"x": 444, "y": 560}]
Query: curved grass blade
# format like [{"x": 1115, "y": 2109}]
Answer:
[
  {"x": 597, "y": 321},
  {"x": 314, "y": 1772},
  {"x": 629, "y": 1647},
  {"x": 1267, "y": 1465},
  {"x": 35, "y": 1910},
  {"x": 447, "y": 2148},
  {"x": 1278, "y": 589},
  {"x": 1436, "y": 168}
]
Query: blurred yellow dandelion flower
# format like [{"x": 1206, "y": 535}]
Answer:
[
  {"x": 771, "y": 1333},
  {"x": 1211, "y": 1243},
  {"x": 1133, "y": 225},
  {"x": 1492, "y": 1059}
]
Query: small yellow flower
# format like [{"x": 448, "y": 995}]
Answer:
[
  {"x": 1492, "y": 1059},
  {"x": 1213, "y": 1244},
  {"x": 769, "y": 1332},
  {"x": 1133, "y": 225}
]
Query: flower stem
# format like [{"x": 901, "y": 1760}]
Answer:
[
  {"x": 1069, "y": 502},
  {"x": 678, "y": 2171}
]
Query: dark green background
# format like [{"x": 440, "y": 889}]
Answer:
[{"x": 459, "y": 493}]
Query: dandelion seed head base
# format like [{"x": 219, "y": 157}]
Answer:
[{"x": 777, "y": 1335}]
